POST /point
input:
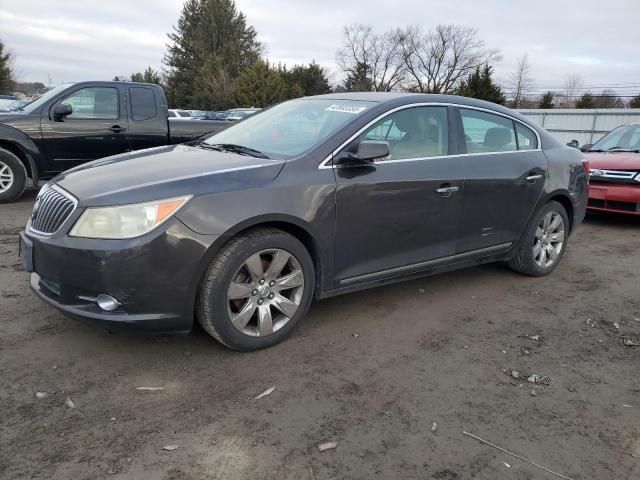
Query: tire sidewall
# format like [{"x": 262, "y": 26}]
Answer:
[
  {"x": 552, "y": 206},
  {"x": 217, "y": 298},
  {"x": 19, "y": 176}
]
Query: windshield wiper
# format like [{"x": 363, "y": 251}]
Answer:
[
  {"x": 598, "y": 150},
  {"x": 620, "y": 149},
  {"x": 232, "y": 147}
]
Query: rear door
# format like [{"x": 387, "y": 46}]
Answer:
[
  {"x": 399, "y": 212},
  {"x": 504, "y": 171},
  {"x": 96, "y": 128},
  {"x": 148, "y": 124}
]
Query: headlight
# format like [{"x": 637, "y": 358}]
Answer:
[{"x": 126, "y": 221}]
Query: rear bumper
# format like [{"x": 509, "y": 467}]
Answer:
[{"x": 614, "y": 198}]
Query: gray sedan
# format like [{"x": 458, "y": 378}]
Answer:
[{"x": 310, "y": 198}]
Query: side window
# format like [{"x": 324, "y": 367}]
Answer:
[
  {"x": 417, "y": 132},
  {"x": 172, "y": 114},
  {"x": 485, "y": 132},
  {"x": 94, "y": 102},
  {"x": 143, "y": 103},
  {"x": 527, "y": 140}
]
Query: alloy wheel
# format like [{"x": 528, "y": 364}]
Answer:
[
  {"x": 549, "y": 239},
  {"x": 265, "y": 292},
  {"x": 6, "y": 177}
]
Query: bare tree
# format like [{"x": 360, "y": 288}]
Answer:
[
  {"x": 377, "y": 56},
  {"x": 436, "y": 61},
  {"x": 608, "y": 99},
  {"x": 570, "y": 90},
  {"x": 521, "y": 81}
]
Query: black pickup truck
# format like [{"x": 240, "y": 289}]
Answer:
[{"x": 76, "y": 123}]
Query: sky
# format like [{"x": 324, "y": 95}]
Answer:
[{"x": 70, "y": 40}]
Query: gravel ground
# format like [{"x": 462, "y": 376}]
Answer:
[{"x": 371, "y": 371}]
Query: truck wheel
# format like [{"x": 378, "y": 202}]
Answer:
[
  {"x": 543, "y": 242},
  {"x": 256, "y": 289},
  {"x": 13, "y": 177}
]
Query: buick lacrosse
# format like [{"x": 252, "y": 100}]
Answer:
[{"x": 307, "y": 199}]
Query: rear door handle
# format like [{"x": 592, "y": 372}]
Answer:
[
  {"x": 446, "y": 191},
  {"x": 534, "y": 178},
  {"x": 117, "y": 129}
]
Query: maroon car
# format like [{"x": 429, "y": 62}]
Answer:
[{"x": 614, "y": 163}]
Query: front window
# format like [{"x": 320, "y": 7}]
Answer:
[
  {"x": 93, "y": 103},
  {"x": 417, "y": 132},
  {"x": 626, "y": 137},
  {"x": 292, "y": 127}
]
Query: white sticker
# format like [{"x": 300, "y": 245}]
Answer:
[{"x": 345, "y": 108}]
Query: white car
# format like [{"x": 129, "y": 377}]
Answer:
[{"x": 180, "y": 114}]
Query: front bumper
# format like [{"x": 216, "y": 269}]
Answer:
[
  {"x": 615, "y": 198},
  {"x": 154, "y": 277}
]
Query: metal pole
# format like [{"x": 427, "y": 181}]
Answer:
[{"x": 593, "y": 125}]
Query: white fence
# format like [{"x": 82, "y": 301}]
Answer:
[{"x": 586, "y": 126}]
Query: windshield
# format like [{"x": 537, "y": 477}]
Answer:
[
  {"x": 38, "y": 102},
  {"x": 626, "y": 137},
  {"x": 292, "y": 127}
]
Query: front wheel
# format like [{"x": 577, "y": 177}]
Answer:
[
  {"x": 13, "y": 177},
  {"x": 543, "y": 243},
  {"x": 256, "y": 289}
]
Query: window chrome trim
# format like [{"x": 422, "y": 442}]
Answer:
[
  {"x": 326, "y": 163},
  {"x": 62, "y": 192}
]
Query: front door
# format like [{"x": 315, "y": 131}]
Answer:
[
  {"x": 504, "y": 173},
  {"x": 402, "y": 210},
  {"x": 96, "y": 128}
]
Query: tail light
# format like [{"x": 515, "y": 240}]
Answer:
[{"x": 585, "y": 165}]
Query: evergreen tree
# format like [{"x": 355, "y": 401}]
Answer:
[
  {"x": 149, "y": 76},
  {"x": 310, "y": 79},
  {"x": 635, "y": 102},
  {"x": 546, "y": 101},
  {"x": 586, "y": 101},
  {"x": 358, "y": 80},
  {"x": 260, "y": 85},
  {"x": 480, "y": 85},
  {"x": 211, "y": 43},
  {"x": 6, "y": 73}
]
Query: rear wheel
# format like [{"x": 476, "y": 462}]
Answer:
[
  {"x": 13, "y": 176},
  {"x": 257, "y": 288},
  {"x": 543, "y": 243}
]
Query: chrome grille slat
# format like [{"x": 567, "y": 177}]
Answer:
[{"x": 52, "y": 210}]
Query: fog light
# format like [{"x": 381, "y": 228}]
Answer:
[{"x": 107, "y": 302}]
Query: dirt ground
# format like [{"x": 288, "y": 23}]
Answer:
[{"x": 371, "y": 371}]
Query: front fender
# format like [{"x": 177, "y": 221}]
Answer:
[{"x": 21, "y": 140}]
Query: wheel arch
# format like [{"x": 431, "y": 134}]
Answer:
[
  {"x": 294, "y": 226},
  {"x": 564, "y": 199},
  {"x": 23, "y": 147}
]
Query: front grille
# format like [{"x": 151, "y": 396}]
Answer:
[
  {"x": 594, "y": 202},
  {"x": 51, "y": 210},
  {"x": 597, "y": 175}
]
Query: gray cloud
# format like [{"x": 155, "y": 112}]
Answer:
[{"x": 78, "y": 40}]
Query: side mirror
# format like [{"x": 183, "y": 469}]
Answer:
[
  {"x": 586, "y": 147},
  {"x": 574, "y": 143},
  {"x": 368, "y": 151},
  {"x": 61, "y": 110}
]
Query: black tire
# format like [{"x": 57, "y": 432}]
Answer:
[
  {"x": 212, "y": 308},
  {"x": 19, "y": 183},
  {"x": 523, "y": 260}
]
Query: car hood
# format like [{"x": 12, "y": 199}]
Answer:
[
  {"x": 164, "y": 172},
  {"x": 614, "y": 160}
]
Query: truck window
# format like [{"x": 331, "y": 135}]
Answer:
[
  {"x": 143, "y": 103},
  {"x": 93, "y": 102}
]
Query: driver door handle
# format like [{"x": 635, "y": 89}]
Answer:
[
  {"x": 534, "y": 178},
  {"x": 117, "y": 129},
  {"x": 446, "y": 190}
]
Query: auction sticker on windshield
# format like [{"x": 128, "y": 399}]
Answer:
[{"x": 345, "y": 108}]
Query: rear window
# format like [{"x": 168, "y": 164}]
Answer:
[{"x": 143, "y": 103}]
